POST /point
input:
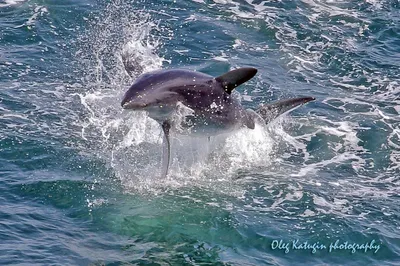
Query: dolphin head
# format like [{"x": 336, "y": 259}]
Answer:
[
  {"x": 149, "y": 90},
  {"x": 136, "y": 97}
]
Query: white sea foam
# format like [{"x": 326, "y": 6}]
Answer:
[
  {"x": 38, "y": 11},
  {"x": 11, "y": 2}
]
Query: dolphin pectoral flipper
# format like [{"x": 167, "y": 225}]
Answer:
[
  {"x": 271, "y": 111},
  {"x": 166, "y": 126},
  {"x": 234, "y": 78}
]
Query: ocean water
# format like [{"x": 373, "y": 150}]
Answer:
[{"x": 79, "y": 178}]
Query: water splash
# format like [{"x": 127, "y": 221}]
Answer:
[{"x": 130, "y": 141}]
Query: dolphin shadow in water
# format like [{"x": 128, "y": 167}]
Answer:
[{"x": 213, "y": 110}]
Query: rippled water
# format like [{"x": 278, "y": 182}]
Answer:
[{"x": 78, "y": 178}]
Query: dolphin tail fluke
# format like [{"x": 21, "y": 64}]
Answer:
[
  {"x": 166, "y": 149},
  {"x": 269, "y": 112}
]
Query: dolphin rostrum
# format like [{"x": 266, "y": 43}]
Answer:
[{"x": 212, "y": 108}]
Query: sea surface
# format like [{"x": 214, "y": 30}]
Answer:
[{"x": 79, "y": 176}]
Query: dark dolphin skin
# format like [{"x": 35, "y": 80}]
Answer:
[{"x": 214, "y": 111}]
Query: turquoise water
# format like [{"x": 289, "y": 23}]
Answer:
[{"x": 79, "y": 176}]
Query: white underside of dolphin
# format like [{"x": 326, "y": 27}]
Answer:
[{"x": 204, "y": 104}]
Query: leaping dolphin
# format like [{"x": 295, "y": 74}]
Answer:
[{"x": 213, "y": 109}]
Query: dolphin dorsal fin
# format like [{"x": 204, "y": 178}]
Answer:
[{"x": 234, "y": 78}]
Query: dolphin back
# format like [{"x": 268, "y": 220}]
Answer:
[{"x": 158, "y": 87}]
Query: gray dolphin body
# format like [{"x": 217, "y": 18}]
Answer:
[{"x": 213, "y": 109}]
